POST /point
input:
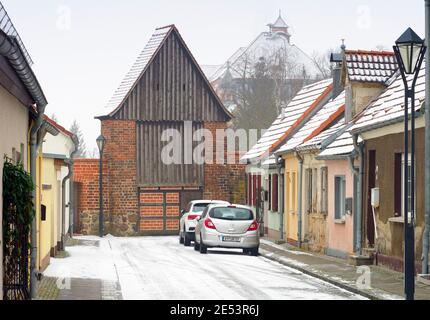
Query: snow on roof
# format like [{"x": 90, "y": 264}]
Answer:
[
  {"x": 370, "y": 66},
  {"x": 325, "y": 117},
  {"x": 320, "y": 139},
  {"x": 390, "y": 104},
  {"x": 265, "y": 45},
  {"x": 138, "y": 68},
  {"x": 306, "y": 101},
  {"x": 342, "y": 145}
]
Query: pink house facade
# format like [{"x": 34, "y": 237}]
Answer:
[{"x": 340, "y": 230}]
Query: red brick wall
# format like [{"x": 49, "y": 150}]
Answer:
[
  {"x": 86, "y": 174},
  {"x": 223, "y": 181},
  {"x": 120, "y": 154}
]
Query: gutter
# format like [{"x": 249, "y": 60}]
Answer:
[
  {"x": 281, "y": 208},
  {"x": 382, "y": 124},
  {"x": 10, "y": 49},
  {"x": 69, "y": 175},
  {"x": 299, "y": 202}
]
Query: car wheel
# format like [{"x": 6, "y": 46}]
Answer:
[
  {"x": 203, "y": 248},
  {"x": 254, "y": 252},
  {"x": 181, "y": 240},
  {"x": 196, "y": 246},
  {"x": 187, "y": 240}
]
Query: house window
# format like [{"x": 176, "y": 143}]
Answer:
[
  {"x": 339, "y": 197},
  {"x": 409, "y": 185},
  {"x": 274, "y": 198},
  {"x": 324, "y": 191},
  {"x": 398, "y": 184}
]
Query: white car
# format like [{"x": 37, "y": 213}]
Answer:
[
  {"x": 189, "y": 216},
  {"x": 228, "y": 226}
]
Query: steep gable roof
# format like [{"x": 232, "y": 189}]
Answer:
[
  {"x": 323, "y": 119},
  {"x": 141, "y": 65},
  {"x": 304, "y": 105}
]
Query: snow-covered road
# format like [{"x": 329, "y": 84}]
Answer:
[{"x": 160, "y": 268}]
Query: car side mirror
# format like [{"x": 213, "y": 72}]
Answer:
[{"x": 182, "y": 212}]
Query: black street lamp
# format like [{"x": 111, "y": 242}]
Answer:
[
  {"x": 101, "y": 141},
  {"x": 409, "y": 50}
]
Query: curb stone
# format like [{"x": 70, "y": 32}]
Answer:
[{"x": 272, "y": 256}]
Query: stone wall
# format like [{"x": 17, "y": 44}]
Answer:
[
  {"x": 224, "y": 181},
  {"x": 86, "y": 177}
]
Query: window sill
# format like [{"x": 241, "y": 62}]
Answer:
[
  {"x": 339, "y": 221},
  {"x": 399, "y": 220}
]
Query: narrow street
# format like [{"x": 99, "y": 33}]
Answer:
[{"x": 160, "y": 268}]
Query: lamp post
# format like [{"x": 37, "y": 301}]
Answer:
[
  {"x": 409, "y": 51},
  {"x": 101, "y": 141}
]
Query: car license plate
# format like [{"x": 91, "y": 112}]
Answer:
[{"x": 230, "y": 239}]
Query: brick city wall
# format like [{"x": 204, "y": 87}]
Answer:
[
  {"x": 86, "y": 179},
  {"x": 223, "y": 181}
]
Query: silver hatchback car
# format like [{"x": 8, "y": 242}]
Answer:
[{"x": 227, "y": 226}]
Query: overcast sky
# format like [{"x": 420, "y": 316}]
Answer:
[{"x": 82, "y": 49}]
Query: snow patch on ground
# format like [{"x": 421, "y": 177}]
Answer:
[{"x": 86, "y": 262}]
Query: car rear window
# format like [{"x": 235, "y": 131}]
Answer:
[
  {"x": 199, "y": 207},
  {"x": 228, "y": 213}
]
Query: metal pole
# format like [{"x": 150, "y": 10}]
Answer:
[
  {"x": 101, "y": 216},
  {"x": 426, "y": 233}
]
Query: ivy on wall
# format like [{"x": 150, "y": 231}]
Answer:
[
  {"x": 17, "y": 199},
  {"x": 18, "y": 214}
]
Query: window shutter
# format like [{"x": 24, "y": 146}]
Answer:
[
  {"x": 308, "y": 188},
  {"x": 324, "y": 190},
  {"x": 254, "y": 190},
  {"x": 275, "y": 193},
  {"x": 270, "y": 192},
  {"x": 248, "y": 193}
]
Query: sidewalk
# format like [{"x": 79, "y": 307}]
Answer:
[
  {"x": 76, "y": 288},
  {"x": 385, "y": 284}
]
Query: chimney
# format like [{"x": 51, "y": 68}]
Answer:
[{"x": 337, "y": 60}]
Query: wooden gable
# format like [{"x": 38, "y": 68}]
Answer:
[{"x": 171, "y": 87}]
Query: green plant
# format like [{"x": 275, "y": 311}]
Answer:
[{"x": 18, "y": 209}]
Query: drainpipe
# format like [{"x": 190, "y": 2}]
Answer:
[
  {"x": 71, "y": 190},
  {"x": 280, "y": 200},
  {"x": 356, "y": 173},
  {"x": 426, "y": 234},
  {"x": 10, "y": 49},
  {"x": 359, "y": 149},
  {"x": 69, "y": 177},
  {"x": 299, "y": 202}
]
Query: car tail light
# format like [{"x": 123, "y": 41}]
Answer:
[
  {"x": 193, "y": 216},
  {"x": 209, "y": 224},
  {"x": 253, "y": 226}
]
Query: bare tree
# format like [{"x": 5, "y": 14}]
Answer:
[
  {"x": 322, "y": 62},
  {"x": 82, "y": 149},
  {"x": 263, "y": 86}
]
